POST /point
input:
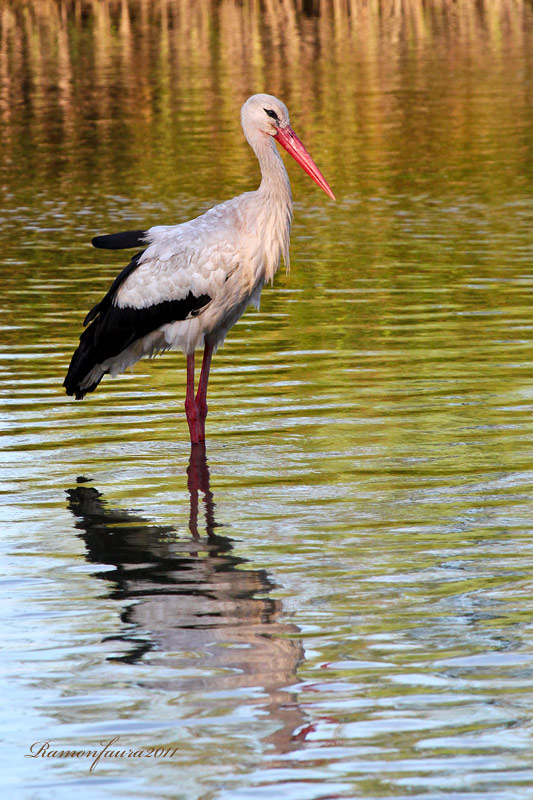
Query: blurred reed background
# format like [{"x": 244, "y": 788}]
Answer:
[{"x": 353, "y": 64}]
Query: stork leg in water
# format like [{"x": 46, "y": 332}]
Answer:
[
  {"x": 193, "y": 281},
  {"x": 196, "y": 407}
]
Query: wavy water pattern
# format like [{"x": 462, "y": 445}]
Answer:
[{"x": 334, "y": 599}]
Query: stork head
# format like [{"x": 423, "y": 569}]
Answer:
[
  {"x": 264, "y": 112},
  {"x": 265, "y": 115}
]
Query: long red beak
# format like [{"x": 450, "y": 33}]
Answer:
[{"x": 288, "y": 139}]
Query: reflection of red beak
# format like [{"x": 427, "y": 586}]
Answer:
[{"x": 288, "y": 139}]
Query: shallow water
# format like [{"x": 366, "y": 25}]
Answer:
[{"x": 334, "y": 600}]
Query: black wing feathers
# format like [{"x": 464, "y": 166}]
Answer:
[
  {"x": 120, "y": 241},
  {"x": 113, "y": 329},
  {"x": 106, "y": 301},
  {"x": 116, "y": 328}
]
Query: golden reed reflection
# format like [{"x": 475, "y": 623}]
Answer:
[
  {"x": 148, "y": 58},
  {"x": 198, "y": 608}
]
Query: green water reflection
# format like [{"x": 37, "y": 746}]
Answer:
[{"x": 360, "y": 626}]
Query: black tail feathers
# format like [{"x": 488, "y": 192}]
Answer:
[
  {"x": 83, "y": 361},
  {"x": 120, "y": 241}
]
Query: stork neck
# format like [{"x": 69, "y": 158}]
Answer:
[{"x": 275, "y": 180}]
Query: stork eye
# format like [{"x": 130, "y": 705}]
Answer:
[{"x": 272, "y": 114}]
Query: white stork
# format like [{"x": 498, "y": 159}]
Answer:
[{"x": 193, "y": 281}]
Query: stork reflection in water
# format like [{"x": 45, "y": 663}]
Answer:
[{"x": 199, "y": 610}]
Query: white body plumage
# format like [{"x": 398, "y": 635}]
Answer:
[{"x": 227, "y": 253}]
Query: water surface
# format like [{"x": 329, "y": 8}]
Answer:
[{"x": 334, "y": 599}]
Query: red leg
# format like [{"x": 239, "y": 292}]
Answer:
[
  {"x": 201, "y": 394},
  {"x": 196, "y": 408},
  {"x": 190, "y": 404}
]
